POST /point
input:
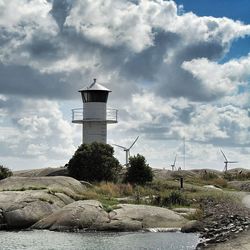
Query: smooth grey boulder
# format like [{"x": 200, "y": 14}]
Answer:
[
  {"x": 60, "y": 184},
  {"x": 90, "y": 215},
  {"x": 87, "y": 214},
  {"x": 192, "y": 227},
  {"x": 26, "y": 200},
  {"x": 185, "y": 211},
  {"x": 21, "y": 209},
  {"x": 145, "y": 217},
  {"x": 49, "y": 203}
]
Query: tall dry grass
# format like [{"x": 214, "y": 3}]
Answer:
[{"x": 114, "y": 190}]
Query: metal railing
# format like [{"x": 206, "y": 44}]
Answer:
[{"x": 79, "y": 116}]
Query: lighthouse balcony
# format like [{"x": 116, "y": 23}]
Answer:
[{"x": 79, "y": 115}]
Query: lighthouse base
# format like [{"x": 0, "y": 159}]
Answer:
[{"x": 94, "y": 132}]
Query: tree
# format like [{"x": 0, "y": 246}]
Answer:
[
  {"x": 94, "y": 162},
  {"x": 138, "y": 172},
  {"x": 4, "y": 172}
]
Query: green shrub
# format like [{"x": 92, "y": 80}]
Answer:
[
  {"x": 174, "y": 198},
  {"x": 208, "y": 176},
  {"x": 94, "y": 162},
  {"x": 171, "y": 199},
  {"x": 228, "y": 176},
  {"x": 4, "y": 172},
  {"x": 138, "y": 171},
  {"x": 240, "y": 175}
]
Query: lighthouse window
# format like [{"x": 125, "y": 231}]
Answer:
[
  {"x": 85, "y": 96},
  {"x": 95, "y": 96}
]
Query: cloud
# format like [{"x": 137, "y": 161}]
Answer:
[
  {"x": 64, "y": 42},
  {"x": 158, "y": 119},
  {"x": 162, "y": 64},
  {"x": 224, "y": 79},
  {"x": 60, "y": 10},
  {"x": 34, "y": 129}
]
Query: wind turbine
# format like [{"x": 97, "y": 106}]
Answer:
[
  {"x": 127, "y": 150},
  {"x": 226, "y": 161},
  {"x": 173, "y": 165}
]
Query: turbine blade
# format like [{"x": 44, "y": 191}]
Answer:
[
  {"x": 175, "y": 160},
  {"x": 120, "y": 146},
  {"x": 224, "y": 155},
  {"x": 133, "y": 142},
  {"x": 232, "y": 162}
]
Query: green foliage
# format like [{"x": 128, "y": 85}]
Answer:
[
  {"x": 228, "y": 176},
  {"x": 174, "y": 198},
  {"x": 197, "y": 215},
  {"x": 208, "y": 176},
  {"x": 4, "y": 172},
  {"x": 138, "y": 171},
  {"x": 240, "y": 176},
  {"x": 94, "y": 162}
]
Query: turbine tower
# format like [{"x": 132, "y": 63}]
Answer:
[
  {"x": 227, "y": 161},
  {"x": 173, "y": 165},
  {"x": 94, "y": 116},
  {"x": 127, "y": 150}
]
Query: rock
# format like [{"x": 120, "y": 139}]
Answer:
[
  {"x": 21, "y": 209},
  {"x": 148, "y": 216},
  {"x": 86, "y": 184},
  {"x": 212, "y": 187},
  {"x": 240, "y": 185},
  {"x": 77, "y": 215},
  {"x": 90, "y": 215},
  {"x": 60, "y": 171},
  {"x": 53, "y": 183},
  {"x": 192, "y": 226},
  {"x": 29, "y": 199},
  {"x": 185, "y": 211},
  {"x": 1, "y": 216},
  {"x": 29, "y": 214}
]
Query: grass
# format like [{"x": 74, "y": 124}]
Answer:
[
  {"x": 114, "y": 190},
  {"x": 158, "y": 193},
  {"x": 197, "y": 215},
  {"x": 164, "y": 193},
  {"x": 24, "y": 188}
]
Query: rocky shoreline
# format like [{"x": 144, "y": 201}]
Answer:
[
  {"x": 52, "y": 203},
  {"x": 222, "y": 221},
  {"x": 56, "y": 203}
]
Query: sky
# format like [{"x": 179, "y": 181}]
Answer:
[{"x": 177, "y": 69}]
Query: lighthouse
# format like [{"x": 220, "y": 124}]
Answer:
[{"x": 94, "y": 116}]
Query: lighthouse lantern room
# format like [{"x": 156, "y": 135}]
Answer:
[{"x": 94, "y": 116}]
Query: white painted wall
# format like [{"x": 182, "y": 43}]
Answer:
[
  {"x": 94, "y": 132},
  {"x": 95, "y": 110}
]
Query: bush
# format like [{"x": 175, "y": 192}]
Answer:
[
  {"x": 94, "y": 162},
  {"x": 138, "y": 171},
  {"x": 208, "y": 175},
  {"x": 4, "y": 172},
  {"x": 171, "y": 199},
  {"x": 228, "y": 176}
]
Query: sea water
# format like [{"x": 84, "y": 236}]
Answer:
[{"x": 48, "y": 240}]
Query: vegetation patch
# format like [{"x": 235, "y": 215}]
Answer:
[
  {"x": 4, "y": 172},
  {"x": 94, "y": 162},
  {"x": 25, "y": 188},
  {"x": 138, "y": 171}
]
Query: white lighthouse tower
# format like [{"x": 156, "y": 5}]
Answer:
[{"x": 94, "y": 116}]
